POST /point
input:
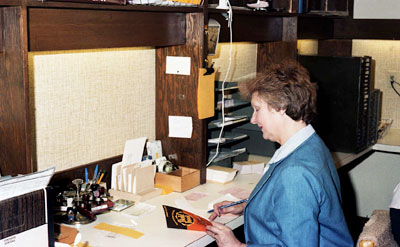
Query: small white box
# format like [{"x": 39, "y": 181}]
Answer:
[{"x": 248, "y": 167}]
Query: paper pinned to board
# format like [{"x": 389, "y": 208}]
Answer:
[
  {"x": 22, "y": 184},
  {"x": 177, "y": 65},
  {"x": 179, "y": 126}
]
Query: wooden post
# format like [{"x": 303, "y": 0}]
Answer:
[{"x": 176, "y": 95}]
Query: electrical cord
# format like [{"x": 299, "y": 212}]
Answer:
[
  {"x": 230, "y": 17},
  {"x": 392, "y": 82}
]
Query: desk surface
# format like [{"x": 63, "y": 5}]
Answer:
[
  {"x": 153, "y": 225},
  {"x": 390, "y": 142}
]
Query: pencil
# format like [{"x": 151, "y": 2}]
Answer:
[
  {"x": 101, "y": 177},
  {"x": 229, "y": 205}
]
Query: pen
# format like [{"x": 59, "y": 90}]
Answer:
[
  {"x": 101, "y": 177},
  {"x": 229, "y": 205}
]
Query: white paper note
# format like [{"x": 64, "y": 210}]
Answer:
[
  {"x": 181, "y": 127},
  {"x": 133, "y": 151},
  {"x": 178, "y": 65}
]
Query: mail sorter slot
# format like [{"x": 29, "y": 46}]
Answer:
[{"x": 21, "y": 213}]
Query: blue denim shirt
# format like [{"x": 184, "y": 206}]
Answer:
[{"x": 297, "y": 202}]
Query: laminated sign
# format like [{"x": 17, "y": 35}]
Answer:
[{"x": 181, "y": 219}]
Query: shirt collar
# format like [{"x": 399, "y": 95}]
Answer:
[{"x": 294, "y": 141}]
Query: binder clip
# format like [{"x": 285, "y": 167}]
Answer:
[{"x": 210, "y": 70}]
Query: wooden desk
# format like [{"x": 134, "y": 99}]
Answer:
[
  {"x": 341, "y": 159},
  {"x": 154, "y": 226}
]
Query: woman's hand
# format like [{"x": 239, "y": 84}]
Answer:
[
  {"x": 236, "y": 209},
  {"x": 223, "y": 235}
]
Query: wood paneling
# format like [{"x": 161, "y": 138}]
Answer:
[
  {"x": 67, "y": 29},
  {"x": 335, "y": 47},
  {"x": 289, "y": 29},
  {"x": 19, "y": 214},
  {"x": 322, "y": 27},
  {"x": 176, "y": 95},
  {"x": 275, "y": 52},
  {"x": 104, "y": 6},
  {"x": 64, "y": 178},
  {"x": 315, "y": 28},
  {"x": 367, "y": 29},
  {"x": 250, "y": 28},
  {"x": 14, "y": 101}
]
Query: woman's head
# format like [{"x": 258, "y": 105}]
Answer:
[{"x": 285, "y": 86}]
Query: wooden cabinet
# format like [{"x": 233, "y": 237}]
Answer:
[{"x": 30, "y": 25}]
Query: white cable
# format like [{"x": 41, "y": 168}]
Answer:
[{"x": 230, "y": 17}]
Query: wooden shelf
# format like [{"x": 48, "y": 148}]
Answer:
[
  {"x": 339, "y": 27},
  {"x": 69, "y": 29},
  {"x": 256, "y": 26},
  {"x": 99, "y": 6}
]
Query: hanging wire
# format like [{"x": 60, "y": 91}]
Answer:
[
  {"x": 230, "y": 16},
  {"x": 393, "y": 82}
]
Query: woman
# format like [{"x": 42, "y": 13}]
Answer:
[{"x": 297, "y": 202}]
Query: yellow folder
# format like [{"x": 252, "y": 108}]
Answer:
[{"x": 205, "y": 94}]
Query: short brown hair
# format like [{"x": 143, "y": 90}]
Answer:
[{"x": 285, "y": 86}]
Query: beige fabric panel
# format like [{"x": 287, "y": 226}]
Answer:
[
  {"x": 307, "y": 47},
  {"x": 385, "y": 54},
  {"x": 243, "y": 63},
  {"x": 85, "y": 104}
]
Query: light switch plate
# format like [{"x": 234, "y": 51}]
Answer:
[{"x": 178, "y": 65}]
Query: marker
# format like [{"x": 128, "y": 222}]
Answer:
[
  {"x": 229, "y": 205},
  {"x": 86, "y": 175},
  {"x": 95, "y": 173}
]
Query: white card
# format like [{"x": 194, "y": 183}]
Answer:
[{"x": 181, "y": 127}]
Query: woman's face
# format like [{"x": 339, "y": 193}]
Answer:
[{"x": 268, "y": 119}]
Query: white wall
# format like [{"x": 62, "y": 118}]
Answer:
[{"x": 376, "y": 9}]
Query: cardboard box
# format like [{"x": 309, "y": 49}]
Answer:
[{"x": 180, "y": 180}]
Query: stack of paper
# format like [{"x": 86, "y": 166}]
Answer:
[
  {"x": 131, "y": 174},
  {"x": 228, "y": 121},
  {"x": 248, "y": 167},
  {"x": 226, "y": 154},
  {"x": 221, "y": 174},
  {"x": 22, "y": 184}
]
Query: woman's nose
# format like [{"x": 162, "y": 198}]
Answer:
[{"x": 253, "y": 119}]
